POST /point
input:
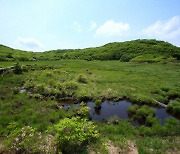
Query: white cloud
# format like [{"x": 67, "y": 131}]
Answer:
[
  {"x": 30, "y": 44},
  {"x": 112, "y": 28},
  {"x": 77, "y": 27},
  {"x": 93, "y": 25},
  {"x": 166, "y": 30}
]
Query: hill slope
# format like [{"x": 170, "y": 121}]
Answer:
[{"x": 137, "y": 50}]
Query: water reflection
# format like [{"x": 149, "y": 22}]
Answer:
[{"x": 119, "y": 109}]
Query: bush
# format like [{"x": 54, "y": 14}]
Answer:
[
  {"x": 67, "y": 89},
  {"x": 132, "y": 109},
  {"x": 174, "y": 107},
  {"x": 144, "y": 111},
  {"x": 37, "y": 96},
  {"x": 114, "y": 120},
  {"x": 23, "y": 140},
  {"x": 172, "y": 126},
  {"x": 82, "y": 79},
  {"x": 83, "y": 111},
  {"x": 98, "y": 104},
  {"x": 73, "y": 134},
  {"x": 17, "y": 69},
  {"x": 150, "y": 120},
  {"x": 16, "y": 91},
  {"x": 143, "y": 114}
]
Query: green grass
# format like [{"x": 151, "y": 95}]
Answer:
[
  {"x": 112, "y": 79},
  {"x": 49, "y": 83}
]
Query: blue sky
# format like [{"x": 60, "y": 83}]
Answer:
[{"x": 40, "y": 25}]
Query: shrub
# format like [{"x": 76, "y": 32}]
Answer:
[
  {"x": 82, "y": 79},
  {"x": 132, "y": 109},
  {"x": 174, "y": 107},
  {"x": 17, "y": 69},
  {"x": 126, "y": 57},
  {"x": 72, "y": 134},
  {"x": 114, "y": 120},
  {"x": 150, "y": 120},
  {"x": 144, "y": 111},
  {"x": 67, "y": 89},
  {"x": 23, "y": 140},
  {"x": 83, "y": 111},
  {"x": 144, "y": 114},
  {"x": 39, "y": 88},
  {"x": 16, "y": 91},
  {"x": 25, "y": 68},
  {"x": 172, "y": 126},
  {"x": 37, "y": 96},
  {"x": 98, "y": 104}
]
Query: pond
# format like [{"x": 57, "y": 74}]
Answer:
[{"x": 119, "y": 109}]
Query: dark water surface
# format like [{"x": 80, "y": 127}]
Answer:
[
  {"x": 119, "y": 109},
  {"x": 109, "y": 109}
]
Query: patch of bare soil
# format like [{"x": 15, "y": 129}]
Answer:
[
  {"x": 113, "y": 149},
  {"x": 132, "y": 149}
]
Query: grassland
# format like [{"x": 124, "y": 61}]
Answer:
[{"x": 49, "y": 83}]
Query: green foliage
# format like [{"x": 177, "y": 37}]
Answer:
[
  {"x": 17, "y": 69},
  {"x": 174, "y": 107},
  {"x": 132, "y": 109},
  {"x": 98, "y": 103},
  {"x": 136, "y": 50},
  {"x": 83, "y": 111},
  {"x": 171, "y": 127},
  {"x": 16, "y": 90},
  {"x": 143, "y": 114},
  {"x": 144, "y": 111},
  {"x": 112, "y": 80},
  {"x": 24, "y": 140},
  {"x": 82, "y": 79},
  {"x": 72, "y": 134},
  {"x": 114, "y": 120}
]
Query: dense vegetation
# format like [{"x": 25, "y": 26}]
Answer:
[
  {"x": 135, "y": 51},
  {"x": 34, "y": 119}
]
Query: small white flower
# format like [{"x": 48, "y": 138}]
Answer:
[
  {"x": 23, "y": 134},
  {"x": 30, "y": 135}
]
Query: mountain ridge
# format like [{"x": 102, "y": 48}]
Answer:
[{"x": 141, "y": 50}]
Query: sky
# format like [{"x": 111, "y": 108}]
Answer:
[{"x": 41, "y": 25}]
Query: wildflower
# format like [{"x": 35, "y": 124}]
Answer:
[
  {"x": 23, "y": 134},
  {"x": 30, "y": 135},
  {"x": 16, "y": 139}
]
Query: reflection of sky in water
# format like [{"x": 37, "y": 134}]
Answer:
[{"x": 119, "y": 109}]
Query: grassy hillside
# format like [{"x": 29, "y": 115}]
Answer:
[
  {"x": 138, "y": 50},
  {"x": 135, "y": 51},
  {"x": 9, "y": 54}
]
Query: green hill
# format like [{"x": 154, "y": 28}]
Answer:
[
  {"x": 10, "y": 54},
  {"x": 135, "y": 51}
]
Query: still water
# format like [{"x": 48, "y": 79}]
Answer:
[{"x": 119, "y": 109}]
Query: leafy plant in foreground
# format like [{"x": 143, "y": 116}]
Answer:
[
  {"x": 72, "y": 134},
  {"x": 25, "y": 139}
]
